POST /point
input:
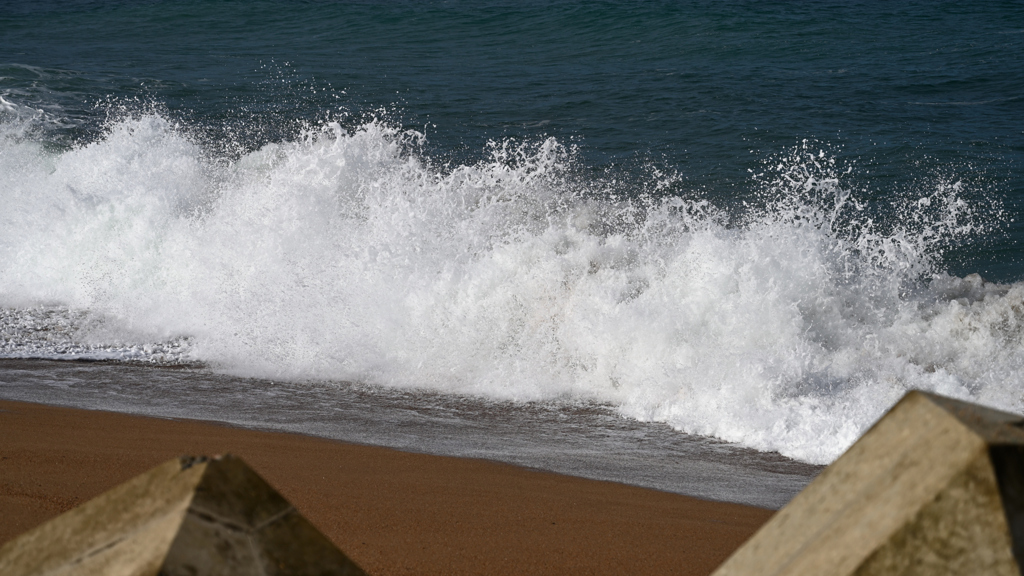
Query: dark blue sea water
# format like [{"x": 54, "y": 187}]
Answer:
[{"x": 760, "y": 222}]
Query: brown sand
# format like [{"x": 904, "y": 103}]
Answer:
[{"x": 392, "y": 512}]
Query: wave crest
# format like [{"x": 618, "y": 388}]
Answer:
[{"x": 345, "y": 255}]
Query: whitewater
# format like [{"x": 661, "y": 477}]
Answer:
[{"x": 789, "y": 323}]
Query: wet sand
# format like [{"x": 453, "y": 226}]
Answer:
[{"x": 393, "y": 512}]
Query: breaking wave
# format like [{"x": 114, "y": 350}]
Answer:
[{"x": 345, "y": 255}]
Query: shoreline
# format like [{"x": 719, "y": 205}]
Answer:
[
  {"x": 580, "y": 440},
  {"x": 393, "y": 512}
]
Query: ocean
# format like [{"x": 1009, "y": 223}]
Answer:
[{"x": 695, "y": 246}]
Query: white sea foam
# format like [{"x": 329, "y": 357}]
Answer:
[{"x": 343, "y": 256}]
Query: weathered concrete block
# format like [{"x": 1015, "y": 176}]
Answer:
[
  {"x": 192, "y": 517},
  {"x": 935, "y": 487}
]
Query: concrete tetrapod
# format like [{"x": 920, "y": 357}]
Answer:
[
  {"x": 934, "y": 487},
  {"x": 193, "y": 516}
]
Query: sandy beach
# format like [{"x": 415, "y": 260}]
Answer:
[{"x": 393, "y": 512}]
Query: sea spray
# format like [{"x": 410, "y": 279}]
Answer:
[{"x": 347, "y": 255}]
